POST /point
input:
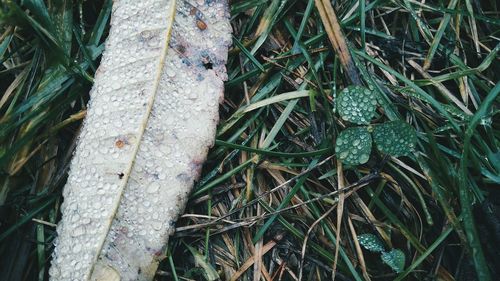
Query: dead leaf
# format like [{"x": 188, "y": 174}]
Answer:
[{"x": 151, "y": 120}]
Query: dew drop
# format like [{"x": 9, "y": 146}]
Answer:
[{"x": 153, "y": 187}]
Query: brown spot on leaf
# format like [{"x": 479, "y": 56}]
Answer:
[
  {"x": 119, "y": 143},
  {"x": 201, "y": 24}
]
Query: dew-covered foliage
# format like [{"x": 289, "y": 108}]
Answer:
[
  {"x": 371, "y": 242},
  {"x": 353, "y": 145},
  {"x": 266, "y": 203},
  {"x": 357, "y": 104},
  {"x": 130, "y": 173},
  {"x": 394, "y": 258},
  {"x": 395, "y": 138}
]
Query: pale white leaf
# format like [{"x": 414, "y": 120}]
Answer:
[{"x": 151, "y": 120}]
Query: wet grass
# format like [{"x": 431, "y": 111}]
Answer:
[{"x": 273, "y": 202}]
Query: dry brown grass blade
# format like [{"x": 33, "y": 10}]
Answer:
[
  {"x": 13, "y": 86},
  {"x": 370, "y": 217},
  {"x": 258, "y": 264},
  {"x": 306, "y": 238},
  {"x": 332, "y": 27},
  {"x": 340, "y": 211},
  {"x": 250, "y": 261},
  {"x": 440, "y": 87},
  {"x": 473, "y": 27},
  {"x": 361, "y": 258}
]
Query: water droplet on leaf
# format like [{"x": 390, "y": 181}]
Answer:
[
  {"x": 356, "y": 104},
  {"x": 349, "y": 153},
  {"x": 396, "y": 138}
]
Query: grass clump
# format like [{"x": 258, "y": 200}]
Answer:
[{"x": 273, "y": 203}]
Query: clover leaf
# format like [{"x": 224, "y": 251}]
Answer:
[
  {"x": 396, "y": 138},
  {"x": 353, "y": 146},
  {"x": 371, "y": 242},
  {"x": 356, "y": 104},
  {"x": 395, "y": 258}
]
